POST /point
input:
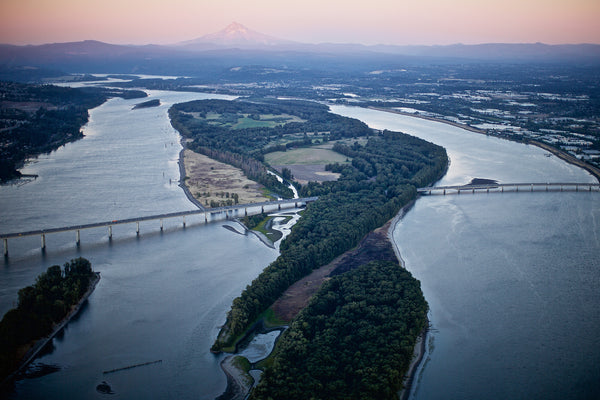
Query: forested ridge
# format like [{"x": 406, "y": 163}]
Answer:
[
  {"x": 40, "y": 306},
  {"x": 353, "y": 341},
  {"x": 35, "y": 119}
]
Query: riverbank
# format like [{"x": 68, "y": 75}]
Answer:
[
  {"x": 418, "y": 354},
  {"x": 595, "y": 172},
  {"x": 420, "y": 344},
  {"x": 569, "y": 158},
  {"x": 35, "y": 349},
  {"x": 182, "y": 184},
  {"x": 456, "y": 124},
  {"x": 239, "y": 382}
]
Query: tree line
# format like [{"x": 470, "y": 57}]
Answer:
[
  {"x": 353, "y": 341},
  {"x": 40, "y": 306},
  {"x": 245, "y": 148},
  {"x": 347, "y": 209}
]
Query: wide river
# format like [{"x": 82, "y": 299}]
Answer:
[{"x": 511, "y": 279}]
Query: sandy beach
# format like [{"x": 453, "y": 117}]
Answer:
[{"x": 238, "y": 382}]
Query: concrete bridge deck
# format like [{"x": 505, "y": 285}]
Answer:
[
  {"x": 513, "y": 187},
  {"x": 287, "y": 203}
]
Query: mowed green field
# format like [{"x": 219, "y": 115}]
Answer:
[
  {"x": 243, "y": 121},
  {"x": 305, "y": 156}
]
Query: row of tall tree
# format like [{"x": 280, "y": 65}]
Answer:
[
  {"x": 245, "y": 148},
  {"x": 41, "y": 306},
  {"x": 353, "y": 341},
  {"x": 364, "y": 198}
]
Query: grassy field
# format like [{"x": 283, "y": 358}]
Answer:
[
  {"x": 305, "y": 156},
  {"x": 243, "y": 121}
]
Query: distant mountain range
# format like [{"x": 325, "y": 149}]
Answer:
[
  {"x": 235, "y": 35},
  {"x": 238, "y": 45},
  {"x": 238, "y": 36}
]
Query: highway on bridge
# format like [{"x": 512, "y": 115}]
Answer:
[
  {"x": 161, "y": 217},
  {"x": 514, "y": 187}
]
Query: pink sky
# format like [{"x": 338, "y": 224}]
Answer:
[{"x": 314, "y": 21}]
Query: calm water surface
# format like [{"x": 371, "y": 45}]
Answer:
[
  {"x": 511, "y": 279},
  {"x": 161, "y": 296}
]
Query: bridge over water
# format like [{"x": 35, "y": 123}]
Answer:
[
  {"x": 512, "y": 187},
  {"x": 249, "y": 209}
]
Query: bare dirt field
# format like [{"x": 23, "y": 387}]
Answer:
[
  {"x": 374, "y": 246},
  {"x": 210, "y": 180}
]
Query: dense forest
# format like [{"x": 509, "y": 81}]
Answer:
[
  {"x": 35, "y": 119},
  {"x": 353, "y": 341},
  {"x": 41, "y": 306},
  {"x": 382, "y": 178},
  {"x": 385, "y": 171}
]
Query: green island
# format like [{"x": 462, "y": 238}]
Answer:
[
  {"x": 354, "y": 340},
  {"x": 35, "y": 119},
  {"x": 373, "y": 297},
  {"x": 147, "y": 104},
  {"x": 43, "y": 308},
  {"x": 220, "y": 129}
]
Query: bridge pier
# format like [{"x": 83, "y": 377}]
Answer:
[
  {"x": 279, "y": 206},
  {"x": 78, "y": 238},
  {"x": 184, "y": 221},
  {"x": 137, "y": 228},
  {"x": 43, "y": 241},
  {"x": 206, "y": 219},
  {"x": 161, "y": 225},
  {"x": 110, "y": 232},
  {"x": 5, "y": 247},
  {"x": 262, "y": 209},
  {"x": 245, "y": 211},
  {"x": 444, "y": 192},
  {"x": 531, "y": 188}
]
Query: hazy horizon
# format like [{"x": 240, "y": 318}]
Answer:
[{"x": 429, "y": 22}]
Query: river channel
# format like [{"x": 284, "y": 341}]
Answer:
[
  {"x": 162, "y": 296},
  {"x": 511, "y": 279}
]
